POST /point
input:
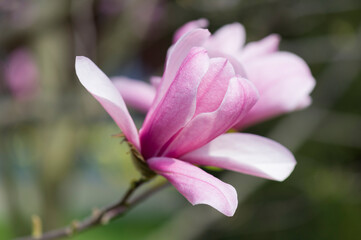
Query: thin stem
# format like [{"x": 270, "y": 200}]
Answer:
[{"x": 100, "y": 217}]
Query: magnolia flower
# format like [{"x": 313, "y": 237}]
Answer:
[
  {"x": 283, "y": 79},
  {"x": 199, "y": 98}
]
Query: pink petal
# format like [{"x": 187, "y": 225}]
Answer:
[
  {"x": 260, "y": 48},
  {"x": 246, "y": 153},
  {"x": 228, "y": 39},
  {"x": 238, "y": 68},
  {"x": 214, "y": 85},
  {"x": 224, "y": 43},
  {"x": 240, "y": 97},
  {"x": 197, "y": 186},
  {"x": 284, "y": 82},
  {"x": 155, "y": 81},
  {"x": 135, "y": 93},
  {"x": 189, "y": 26},
  {"x": 99, "y": 85},
  {"x": 176, "y": 55},
  {"x": 177, "y": 106}
]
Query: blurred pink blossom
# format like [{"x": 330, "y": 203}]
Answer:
[
  {"x": 21, "y": 74},
  {"x": 283, "y": 79},
  {"x": 199, "y": 98}
]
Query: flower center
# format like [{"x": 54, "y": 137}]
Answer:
[{"x": 139, "y": 162}]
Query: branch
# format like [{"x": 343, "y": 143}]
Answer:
[{"x": 101, "y": 217}]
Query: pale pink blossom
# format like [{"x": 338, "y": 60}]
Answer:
[
  {"x": 145, "y": 93},
  {"x": 283, "y": 79},
  {"x": 21, "y": 74},
  {"x": 199, "y": 98}
]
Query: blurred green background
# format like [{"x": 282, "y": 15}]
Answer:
[{"x": 57, "y": 157}]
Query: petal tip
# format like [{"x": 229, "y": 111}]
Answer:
[
  {"x": 197, "y": 186},
  {"x": 79, "y": 59},
  {"x": 275, "y": 37},
  {"x": 288, "y": 169},
  {"x": 228, "y": 209},
  {"x": 203, "y": 21},
  {"x": 82, "y": 62}
]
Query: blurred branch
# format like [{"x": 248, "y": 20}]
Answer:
[{"x": 101, "y": 217}]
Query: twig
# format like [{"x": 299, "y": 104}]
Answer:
[{"x": 100, "y": 217}]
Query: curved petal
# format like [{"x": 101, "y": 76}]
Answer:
[
  {"x": 228, "y": 39},
  {"x": 197, "y": 186},
  {"x": 238, "y": 68},
  {"x": 176, "y": 55},
  {"x": 99, "y": 85},
  {"x": 200, "y": 23},
  {"x": 240, "y": 97},
  {"x": 284, "y": 82},
  {"x": 246, "y": 153},
  {"x": 214, "y": 85},
  {"x": 177, "y": 106},
  {"x": 135, "y": 93},
  {"x": 260, "y": 48}
]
